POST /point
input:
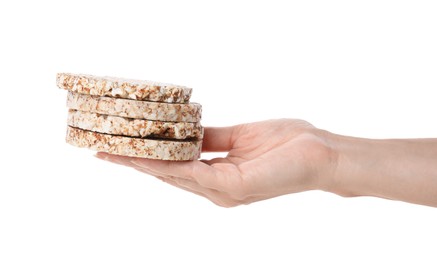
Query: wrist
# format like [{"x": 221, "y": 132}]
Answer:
[
  {"x": 325, "y": 163},
  {"x": 347, "y": 158}
]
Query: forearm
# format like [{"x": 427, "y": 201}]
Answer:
[{"x": 403, "y": 170}]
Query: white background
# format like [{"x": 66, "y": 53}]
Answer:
[{"x": 360, "y": 68}]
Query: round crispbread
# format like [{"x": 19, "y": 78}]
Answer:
[
  {"x": 166, "y": 112},
  {"x": 123, "y": 88},
  {"x": 116, "y": 125},
  {"x": 173, "y": 150}
]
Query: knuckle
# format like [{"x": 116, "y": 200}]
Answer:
[
  {"x": 241, "y": 189},
  {"x": 239, "y": 195}
]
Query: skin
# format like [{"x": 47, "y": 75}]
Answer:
[{"x": 277, "y": 157}]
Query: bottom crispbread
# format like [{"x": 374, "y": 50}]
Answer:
[{"x": 136, "y": 147}]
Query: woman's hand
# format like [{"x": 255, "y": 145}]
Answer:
[{"x": 265, "y": 159}]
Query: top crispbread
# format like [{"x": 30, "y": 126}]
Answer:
[{"x": 123, "y": 88}]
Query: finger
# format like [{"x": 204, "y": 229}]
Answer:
[
  {"x": 214, "y": 196},
  {"x": 187, "y": 183},
  {"x": 202, "y": 184},
  {"x": 225, "y": 177},
  {"x": 157, "y": 174},
  {"x": 183, "y": 184},
  {"x": 184, "y": 169},
  {"x": 194, "y": 186},
  {"x": 118, "y": 159},
  {"x": 173, "y": 183},
  {"x": 218, "y": 139},
  {"x": 214, "y": 177},
  {"x": 217, "y": 197},
  {"x": 154, "y": 174}
]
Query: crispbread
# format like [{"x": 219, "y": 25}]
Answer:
[
  {"x": 133, "y": 127},
  {"x": 135, "y": 147},
  {"x": 167, "y": 112},
  {"x": 123, "y": 88}
]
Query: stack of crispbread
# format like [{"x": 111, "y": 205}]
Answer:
[{"x": 132, "y": 117}]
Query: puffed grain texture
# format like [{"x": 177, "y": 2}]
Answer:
[
  {"x": 135, "y": 147},
  {"x": 116, "y": 125},
  {"x": 123, "y": 88},
  {"x": 167, "y": 112}
]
